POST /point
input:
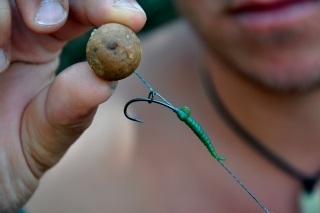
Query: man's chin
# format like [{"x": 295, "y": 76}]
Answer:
[{"x": 286, "y": 82}]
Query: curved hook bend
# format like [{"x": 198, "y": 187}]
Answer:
[{"x": 150, "y": 100}]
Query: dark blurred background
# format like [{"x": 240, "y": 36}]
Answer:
[{"x": 158, "y": 12}]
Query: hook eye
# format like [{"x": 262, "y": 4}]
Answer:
[{"x": 151, "y": 97}]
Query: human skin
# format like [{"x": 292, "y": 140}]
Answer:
[
  {"x": 165, "y": 168},
  {"x": 160, "y": 165},
  {"x": 41, "y": 116},
  {"x": 268, "y": 65},
  {"x": 279, "y": 53},
  {"x": 277, "y": 74}
]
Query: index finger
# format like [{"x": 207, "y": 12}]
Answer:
[{"x": 86, "y": 14}]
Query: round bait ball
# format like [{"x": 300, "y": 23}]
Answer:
[{"x": 113, "y": 51}]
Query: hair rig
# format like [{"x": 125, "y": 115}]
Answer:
[{"x": 183, "y": 114}]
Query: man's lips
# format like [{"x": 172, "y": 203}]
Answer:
[
  {"x": 263, "y": 16},
  {"x": 262, "y": 6}
]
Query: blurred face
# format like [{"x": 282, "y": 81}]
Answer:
[{"x": 276, "y": 42}]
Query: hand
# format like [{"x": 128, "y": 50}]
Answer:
[{"x": 42, "y": 115}]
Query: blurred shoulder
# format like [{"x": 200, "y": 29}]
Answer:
[{"x": 173, "y": 39}]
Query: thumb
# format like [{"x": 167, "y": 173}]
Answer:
[{"x": 60, "y": 113}]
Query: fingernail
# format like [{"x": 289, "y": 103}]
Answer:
[
  {"x": 112, "y": 84},
  {"x": 131, "y": 4},
  {"x": 50, "y": 12},
  {"x": 4, "y": 61}
]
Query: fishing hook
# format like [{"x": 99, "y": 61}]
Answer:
[{"x": 150, "y": 100}]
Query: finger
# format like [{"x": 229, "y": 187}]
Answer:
[
  {"x": 59, "y": 115},
  {"x": 85, "y": 14},
  {"x": 126, "y": 12},
  {"x": 5, "y": 33},
  {"x": 43, "y": 16}
]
